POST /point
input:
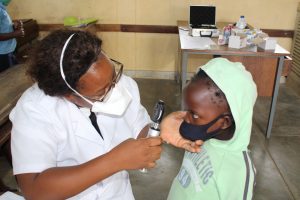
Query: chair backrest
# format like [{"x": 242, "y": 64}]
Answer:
[{"x": 13, "y": 83}]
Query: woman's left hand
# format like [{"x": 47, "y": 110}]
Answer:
[{"x": 170, "y": 132}]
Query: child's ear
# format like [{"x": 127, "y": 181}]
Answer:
[{"x": 227, "y": 122}]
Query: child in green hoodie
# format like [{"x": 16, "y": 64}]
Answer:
[{"x": 219, "y": 104}]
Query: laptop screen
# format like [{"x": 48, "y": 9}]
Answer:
[{"x": 202, "y": 15}]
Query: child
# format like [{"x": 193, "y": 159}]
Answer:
[{"x": 219, "y": 101}]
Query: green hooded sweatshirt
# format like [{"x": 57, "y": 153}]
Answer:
[{"x": 222, "y": 170}]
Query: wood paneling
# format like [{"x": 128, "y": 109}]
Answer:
[
  {"x": 50, "y": 27},
  {"x": 153, "y": 29},
  {"x": 149, "y": 29},
  {"x": 279, "y": 33}
]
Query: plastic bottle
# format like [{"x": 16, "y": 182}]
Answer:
[
  {"x": 226, "y": 34},
  {"x": 241, "y": 24}
]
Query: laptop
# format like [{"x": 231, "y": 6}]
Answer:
[
  {"x": 202, "y": 16},
  {"x": 202, "y": 19}
]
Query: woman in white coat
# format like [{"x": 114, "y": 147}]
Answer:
[{"x": 81, "y": 125}]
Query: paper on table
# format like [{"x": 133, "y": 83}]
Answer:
[
  {"x": 198, "y": 42},
  {"x": 189, "y": 42},
  {"x": 10, "y": 196}
]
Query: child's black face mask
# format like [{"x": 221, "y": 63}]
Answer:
[{"x": 199, "y": 132}]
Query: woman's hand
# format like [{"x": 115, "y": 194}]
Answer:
[
  {"x": 130, "y": 154},
  {"x": 170, "y": 132},
  {"x": 137, "y": 154}
]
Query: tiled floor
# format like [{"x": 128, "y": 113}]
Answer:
[{"x": 277, "y": 160}]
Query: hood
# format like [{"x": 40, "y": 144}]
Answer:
[{"x": 240, "y": 91}]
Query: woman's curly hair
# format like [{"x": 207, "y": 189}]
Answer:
[{"x": 82, "y": 50}]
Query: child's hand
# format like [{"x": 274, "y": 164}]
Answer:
[
  {"x": 17, "y": 25},
  {"x": 18, "y": 29},
  {"x": 170, "y": 132}
]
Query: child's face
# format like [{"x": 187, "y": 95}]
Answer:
[{"x": 203, "y": 106}]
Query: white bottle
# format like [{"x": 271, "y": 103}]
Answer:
[{"x": 241, "y": 24}]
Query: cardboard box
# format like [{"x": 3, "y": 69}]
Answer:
[
  {"x": 268, "y": 44},
  {"x": 237, "y": 42}
]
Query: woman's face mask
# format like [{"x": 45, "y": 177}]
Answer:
[
  {"x": 199, "y": 132},
  {"x": 116, "y": 101}
]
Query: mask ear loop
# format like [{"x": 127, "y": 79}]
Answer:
[
  {"x": 62, "y": 70},
  {"x": 218, "y": 130}
]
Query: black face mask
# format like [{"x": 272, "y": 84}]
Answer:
[{"x": 199, "y": 132}]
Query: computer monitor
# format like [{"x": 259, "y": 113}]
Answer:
[{"x": 202, "y": 15}]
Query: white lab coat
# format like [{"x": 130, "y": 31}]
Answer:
[{"x": 53, "y": 132}]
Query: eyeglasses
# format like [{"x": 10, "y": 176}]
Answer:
[{"x": 117, "y": 67}]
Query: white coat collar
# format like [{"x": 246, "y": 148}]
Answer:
[{"x": 82, "y": 125}]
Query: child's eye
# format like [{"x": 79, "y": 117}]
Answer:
[{"x": 195, "y": 116}]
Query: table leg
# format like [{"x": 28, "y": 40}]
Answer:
[
  {"x": 184, "y": 62},
  {"x": 178, "y": 64},
  {"x": 274, "y": 96}
]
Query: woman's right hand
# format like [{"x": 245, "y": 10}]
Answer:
[{"x": 137, "y": 153}]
